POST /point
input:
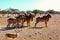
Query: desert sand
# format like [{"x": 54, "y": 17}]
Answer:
[{"x": 52, "y": 32}]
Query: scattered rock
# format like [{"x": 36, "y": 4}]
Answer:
[
  {"x": 29, "y": 36},
  {"x": 36, "y": 33},
  {"x": 50, "y": 38}
]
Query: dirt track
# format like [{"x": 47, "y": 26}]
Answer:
[{"x": 52, "y": 32}]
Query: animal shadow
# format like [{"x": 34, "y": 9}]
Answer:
[
  {"x": 11, "y": 28},
  {"x": 36, "y": 27}
]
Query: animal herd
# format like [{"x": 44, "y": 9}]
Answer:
[{"x": 20, "y": 19}]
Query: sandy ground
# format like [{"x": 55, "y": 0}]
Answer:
[{"x": 52, "y": 32}]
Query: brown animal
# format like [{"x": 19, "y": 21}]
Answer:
[
  {"x": 11, "y": 21},
  {"x": 28, "y": 18},
  {"x": 43, "y": 19},
  {"x": 25, "y": 18},
  {"x": 15, "y": 21},
  {"x": 20, "y": 19}
]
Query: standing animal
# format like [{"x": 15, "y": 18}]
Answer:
[
  {"x": 20, "y": 19},
  {"x": 28, "y": 18},
  {"x": 14, "y": 21},
  {"x": 43, "y": 19},
  {"x": 11, "y": 21}
]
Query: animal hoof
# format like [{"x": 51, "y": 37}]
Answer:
[{"x": 7, "y": 27}]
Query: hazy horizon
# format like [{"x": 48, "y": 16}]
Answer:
[{"x": 30, "y": 4}]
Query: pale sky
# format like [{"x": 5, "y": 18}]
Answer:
[{"x": 30, "y": 4}]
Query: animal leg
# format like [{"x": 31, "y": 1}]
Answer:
[
  {"x": 8, "y": 25},
  {"x": 45, "y": 24},
  {"x": 28, "y": 23},
  {"x": 31, "y": 19},
  {"x": 36, "y": 24},
  {"x": 22, "y": 23},
  {"x": 13, "y": 24},
  {"x": 17, "y": 25}
]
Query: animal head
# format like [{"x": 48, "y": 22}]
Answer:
[
  {"x": 49, "y": 15},
  {"x": 20, "y": 16}
]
